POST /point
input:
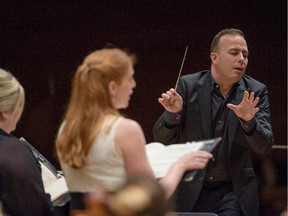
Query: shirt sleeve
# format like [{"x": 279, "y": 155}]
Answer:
[
  {"x": 248, "y": 126},
  {"x": 171, "y": 119}
]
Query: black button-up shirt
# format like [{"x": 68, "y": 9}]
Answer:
[{"x": 218, "y": 166}]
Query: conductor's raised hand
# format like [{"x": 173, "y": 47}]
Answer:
[
  {"x": 247, "y": 109},
  {"x": 171, "y": 101}
]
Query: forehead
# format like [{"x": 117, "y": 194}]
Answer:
[
  {"x": 228, "y": 42},
  {"x": 130, "y": 71}
]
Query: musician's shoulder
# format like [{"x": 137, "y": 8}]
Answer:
[{"x": 129, "y": 124}]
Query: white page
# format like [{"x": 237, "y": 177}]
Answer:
[
  {"x": 54, "y": 185},
  {"x": 161, "y": 157}
]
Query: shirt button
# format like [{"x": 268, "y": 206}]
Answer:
[
  {"x": 211, "y": 178},
  {"x": 217, "y": 86},
  {"x": 220, "y": 122},
  {"x": 213, "y": 159}
]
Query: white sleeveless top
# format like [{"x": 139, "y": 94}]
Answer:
[{"x": 104, "y": 167}]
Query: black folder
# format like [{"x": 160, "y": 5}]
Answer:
[{"x": 208, "y": 145}]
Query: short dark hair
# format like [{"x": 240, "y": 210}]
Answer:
[{"x": 231, "y": 31}]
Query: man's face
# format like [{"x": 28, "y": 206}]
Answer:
[{"x": 231, "y": 58}]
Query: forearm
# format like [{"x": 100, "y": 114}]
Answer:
[
  {"x": 258, "y": 131},
  {"x": 260, "y": 138},
  {"x": 171, "y": 180},
  {"x": 165, "y": 129}
]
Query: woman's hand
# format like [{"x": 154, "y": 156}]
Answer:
[{"x": 195, "y": 160}]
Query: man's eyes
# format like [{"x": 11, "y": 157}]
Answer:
[{"x": 245, "y": 55}]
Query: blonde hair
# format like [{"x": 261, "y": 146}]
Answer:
[
  {"x": 11, "y": 92},
  {"x": 90, "y": 101}
]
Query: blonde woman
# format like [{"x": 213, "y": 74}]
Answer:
[
  {"x": 97, "y": 147},
  {"x": 22, "y": 192}
]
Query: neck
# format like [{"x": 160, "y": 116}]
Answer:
[
  {"x": 224, "y": 86},
  {"x": 224, "y": 92}
]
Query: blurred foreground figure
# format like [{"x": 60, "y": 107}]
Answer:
[{"x": 139, "y": 196}]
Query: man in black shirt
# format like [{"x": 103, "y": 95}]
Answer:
[{"x": 220, "y": 102}]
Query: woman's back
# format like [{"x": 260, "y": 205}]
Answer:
[{"x": 104, "y": 167}]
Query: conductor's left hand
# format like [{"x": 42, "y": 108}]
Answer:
[{"x": 247, "y": 109}]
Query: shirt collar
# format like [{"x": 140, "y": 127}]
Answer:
[
  {"x": 2, "y": 132},
  {"x": 214, "y": 85}
]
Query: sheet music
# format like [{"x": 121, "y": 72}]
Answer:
[
  {"x": 54, "y": 185},
  {"x": 161, "y": 157}
]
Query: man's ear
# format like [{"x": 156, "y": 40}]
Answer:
[
  {"x": 112, "y": 86},
  {"x": 214, "y": 57}
]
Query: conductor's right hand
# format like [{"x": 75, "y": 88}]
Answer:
[{"x": 171, "y": 101}]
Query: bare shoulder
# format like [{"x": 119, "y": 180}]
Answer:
[
  {"x": 129, "y": 125},
  {"x": 129, "y": 128},
  {"x": 129, "y": 135}
]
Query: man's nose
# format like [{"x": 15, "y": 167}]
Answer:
[{"x": 241, "y": 57}]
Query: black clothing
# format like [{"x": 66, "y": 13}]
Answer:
[
  {"x": 218, "y": 170},
  {"x": 218, "y": 197},
  {"x": 239, "y": 140},
  {"x": 21, "y": 187}
]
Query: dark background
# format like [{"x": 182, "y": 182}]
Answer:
[{"x": 42, "y": 43}]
